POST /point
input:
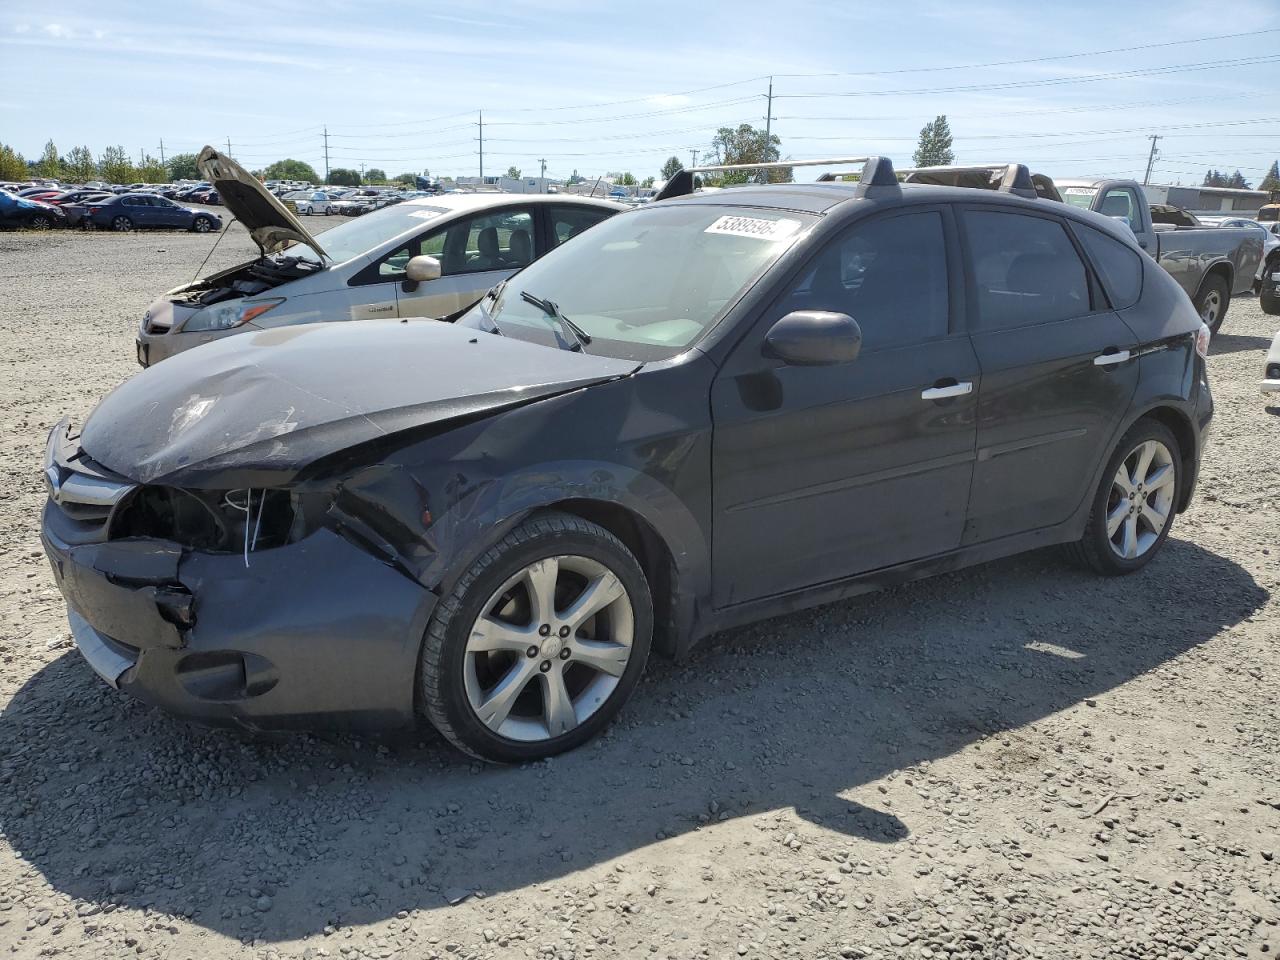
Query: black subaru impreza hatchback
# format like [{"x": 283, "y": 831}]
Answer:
[{"x": 694, "y": 415}]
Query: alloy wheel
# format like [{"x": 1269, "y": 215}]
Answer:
[
  {"x": 40, "y": 223},
  {"x": 1211, "y": 307},
  {"x": 202, "y": 225},
  {"x": 123, "y": 224},
  {"x": 549, "y": 647},
  {"x": 1140, "y": 505}
]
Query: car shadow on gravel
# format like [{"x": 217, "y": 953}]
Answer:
[
  {"x": 1237, "y": 343},
  {"x": 118, "y": 804}
]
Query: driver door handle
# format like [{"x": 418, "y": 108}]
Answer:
[
  {"x": 1110, "y": 359},
  {"x": 952, "y": 390}
]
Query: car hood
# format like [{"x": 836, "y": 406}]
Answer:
[
  {"x": 253, "y": 409},
  {"x": 268, "y": 221}
]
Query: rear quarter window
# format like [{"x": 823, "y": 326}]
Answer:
[{"x": 1119, "y": 265}]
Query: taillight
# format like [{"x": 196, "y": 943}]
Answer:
[
  {"x": 1202, "y": 341},
  {"x": 94, "y": 209}
]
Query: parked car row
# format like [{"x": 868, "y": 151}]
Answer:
[{"x": 656, "y": 424}]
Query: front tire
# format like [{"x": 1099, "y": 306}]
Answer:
[
  {"x": 1135, "y": 503},
  {"x": 1212, "y": 302},
  {"x": 121, "y": 224},
  {"x": 40, "y": 222},
  {"x": 539, "y": 644},
  {"x": 201, "y": 224}
]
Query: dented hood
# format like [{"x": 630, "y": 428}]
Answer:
[
  {"x": 252, "y": 409},
  {"x": 269, "y": 222}
]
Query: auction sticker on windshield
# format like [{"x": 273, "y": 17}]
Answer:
[{"x": 756, "y": 227}]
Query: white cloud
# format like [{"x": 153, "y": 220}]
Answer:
[{"x": 56, "y": 30}]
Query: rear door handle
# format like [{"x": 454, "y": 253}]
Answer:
[
  {"x": 1111, "y": 359},
  {"x": 953, "y": 390}
]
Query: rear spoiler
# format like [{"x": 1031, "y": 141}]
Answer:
[
  {"x": 878, "y": 178},
  {"x": 874, "y": 179}
]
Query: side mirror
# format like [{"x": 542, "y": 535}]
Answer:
[
  {"x": 814, "y": 338},
  {"x": 1125, "y": 221},
  {"x": 421, "y": 269}
]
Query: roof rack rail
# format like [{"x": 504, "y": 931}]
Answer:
[
  {"x": 876, "y": 175},
  {"x": 1012, "y": 178}
]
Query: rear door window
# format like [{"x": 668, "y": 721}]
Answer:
[
  {"x": 1025, "y": 270},
  {"x": 568, "y": 222},
  {"x": 1119, "y": 265}
]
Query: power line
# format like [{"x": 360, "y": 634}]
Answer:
[
  {"x": 1047, "y": 82},
  {"x": 1012, "y": 63}
]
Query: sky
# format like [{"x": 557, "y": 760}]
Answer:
[{"x": 595, "y": 89}]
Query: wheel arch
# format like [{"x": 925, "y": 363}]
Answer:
[
  {"x": 1222, "y": 268},
  {"x": 648, "y": 547}
]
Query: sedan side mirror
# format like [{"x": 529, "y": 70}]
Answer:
[
  {"x": 1125, "y": 221},
  {"x": 814, "y": 338},
  {"x": 421, "y": 269}
]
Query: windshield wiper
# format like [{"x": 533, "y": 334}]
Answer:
[{"x": 580, "y": 337}]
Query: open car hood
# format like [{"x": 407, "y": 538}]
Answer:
[
  {"x": 269, "y": 222},
  {"x": 254, "y": 409}
]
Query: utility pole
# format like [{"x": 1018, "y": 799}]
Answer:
[
  {"x": 162, "y": 151},
  {"x": 693, "y": 158},
  {"x": 481, "y": 125},
  {"x": 542, "y": 177},
  {"x": 228, "y": 146},
  {"x": 768, "y": 131},
  {"x": 326, "y": 153},
  {"x": 1151, "y": 159}
]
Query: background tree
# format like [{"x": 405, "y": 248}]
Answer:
[
  {"x": 513, "y": 173},
  {"x": 342, "y": 177},
  {"x": 151, "y": 170},
  {"x": 12, "y": 164},
  {"x": 79, "y": 166},
  {"x": 745, "y": 144},
  {"x": 934, "y": 148},
  {"x": 49, "y": 164},
  {"x": 1212, "y": 178},
  {"x": 406, "y": 178},
  {"x": 290, "y": 169},
  {"x": 671, "y": 168},
  {"x": 625, "y": 179},
  {"x": 182, "y": 166},
  {"x": 1272, "y": 180},
  {"x": 647, "y": 182},
  {"x": 114, "y": 165},
  {"x": 1238, "y": 181},
  {"x": 375, "y": 175}
]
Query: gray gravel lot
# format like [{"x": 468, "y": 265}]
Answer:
[{"x": 1019, "y": 760}]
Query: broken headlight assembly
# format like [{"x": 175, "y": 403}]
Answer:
[
  {"x": 217, "y": 521},
  {"x": 229, "y": 314}
]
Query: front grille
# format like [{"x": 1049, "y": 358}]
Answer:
[
  {"x": 152, "y": 324},
  {"x": 82, "y": 495}
]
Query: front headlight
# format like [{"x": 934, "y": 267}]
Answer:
[{"x": 231, "y": 313}]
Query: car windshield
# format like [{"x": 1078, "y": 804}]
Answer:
[
  {"x": 644, "y": 285},
  {"x": 357, "y": 237},
  {"x": 1079, "y": 196}
]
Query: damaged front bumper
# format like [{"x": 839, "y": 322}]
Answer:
[{"x": 314, "y": 632}]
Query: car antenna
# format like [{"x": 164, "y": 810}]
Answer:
[{"x": 213, "y": 248}]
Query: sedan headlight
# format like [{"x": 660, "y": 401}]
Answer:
[{"x": 231, "y": 313}]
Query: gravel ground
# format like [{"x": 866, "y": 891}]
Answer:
[{"x": 1020, "y": 760}]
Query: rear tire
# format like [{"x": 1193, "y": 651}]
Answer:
[
  {"x": 1213, "y": 301},
  {"x": 121, "y": 224},
  {"x": 40, "y": 222},
  {"x": 1269, "y": 296},
  {"x": 583, "y": 666},
  {"x": 1142, "y": 481}
]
